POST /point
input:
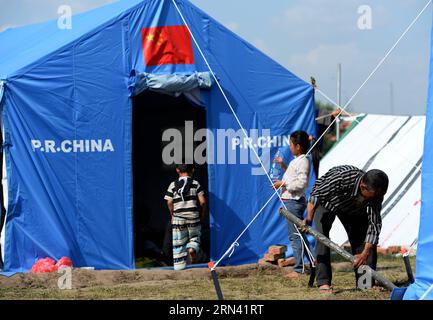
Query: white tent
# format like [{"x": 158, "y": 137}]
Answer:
[{"x": 393, "y": 144}]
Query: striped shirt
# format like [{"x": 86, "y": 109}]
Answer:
[
  {"x": 188, "y": 207},
  {"x": 338, "y": 191}
]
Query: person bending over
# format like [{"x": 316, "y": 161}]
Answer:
[{"x": 355, "y": 197}]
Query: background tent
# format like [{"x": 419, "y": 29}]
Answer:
[
  {"x": 393, "y": 144},
  {"x": 423, "y": 286},
  {"x": 77, "y": 126}
]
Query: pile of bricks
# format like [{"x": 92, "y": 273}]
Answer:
[
  {"x": 276, "y": 256},
  {"x": 384, "y": 251},
  {"x": 389, "y": 250}
]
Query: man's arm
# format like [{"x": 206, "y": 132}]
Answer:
[
  {"x": 361, "y": 258},
  {"x": 308, "y": 221},
  {"x": 373, "y": 231},
  {"x": 374, "y": 223},
  {"x": 310, "y": 213}
]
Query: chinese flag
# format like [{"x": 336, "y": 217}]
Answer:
[{"x": 167, "y": 45}]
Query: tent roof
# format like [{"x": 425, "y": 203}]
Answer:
[{"x": 24, "y": 46}]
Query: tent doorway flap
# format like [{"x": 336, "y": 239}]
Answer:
[{"x": 171, "y": 84}]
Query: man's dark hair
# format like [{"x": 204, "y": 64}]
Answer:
[
  {"x": 376, "y": 180},
  {"x": 185, "y": 168}
]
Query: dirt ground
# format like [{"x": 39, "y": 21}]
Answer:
[{"x": 252, "y": 281}]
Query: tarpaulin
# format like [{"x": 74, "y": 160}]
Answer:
[{"x": 68, "y": 111}]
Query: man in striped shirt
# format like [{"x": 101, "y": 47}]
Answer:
[
  {"x": 355, "y": 197},
  {"x": 187, "y": 205}
]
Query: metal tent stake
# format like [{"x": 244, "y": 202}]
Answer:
[
  {"x": 332, "y": 245},
  {"x": 408, "y": 269},
  {"x": 216, "y": 283}
]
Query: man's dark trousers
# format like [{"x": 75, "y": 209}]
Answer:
[{"x": 356, "y": 225}]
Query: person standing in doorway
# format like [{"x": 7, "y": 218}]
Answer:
[{"x": 187, "y": 205}]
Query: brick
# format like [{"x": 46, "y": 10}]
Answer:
[
  {"x": 263, "y": 262},
  {"x": 273, "y": 257},
  {"x": 382, "y": 251},
  {"x": 289, "y": 262},
  {"x": 277, "y": 249},
  {"x": 394, "y": 249}
]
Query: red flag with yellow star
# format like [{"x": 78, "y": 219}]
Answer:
[{"x": 167, "y": 45}]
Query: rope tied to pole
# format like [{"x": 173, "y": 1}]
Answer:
[{"x": 233, "y": 248}]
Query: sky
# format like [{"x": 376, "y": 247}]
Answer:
[{"x": 310, "y": 38}]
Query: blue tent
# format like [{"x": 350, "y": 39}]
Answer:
[
  {"x": 422, "y": 288},
  {"x": 67, "y": 99}
]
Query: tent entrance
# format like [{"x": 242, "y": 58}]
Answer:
[{"x": 153, "y": 113}]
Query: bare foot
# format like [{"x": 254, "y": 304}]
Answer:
[{"x": 192, "y": 255}]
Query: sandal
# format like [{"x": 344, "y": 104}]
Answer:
[{"x": 326, "y": 290}]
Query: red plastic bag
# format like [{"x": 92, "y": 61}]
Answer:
[
  {"x": 64, "y": 262},
  {"x": 49, "y": 268},
  {"x": 48, "y": 265},
  {"x": 44, "y": 265}
]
